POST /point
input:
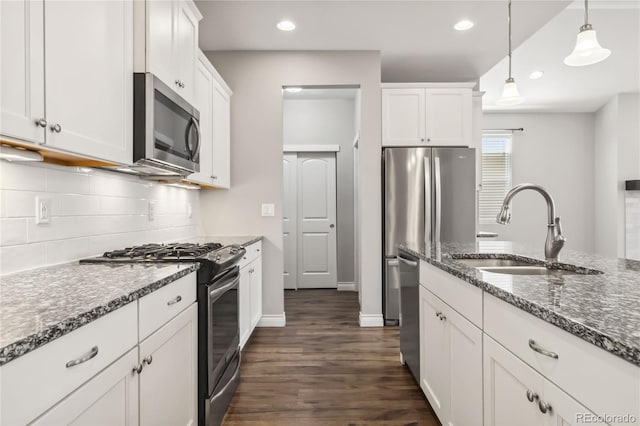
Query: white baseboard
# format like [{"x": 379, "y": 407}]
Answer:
[
  {"x": 371, "y": 320},
  {"x": 272, "y": 320},
  {"x": 347, "y": 286}
]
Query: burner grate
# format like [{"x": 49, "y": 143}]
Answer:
[{"x": 163, "y": 251}]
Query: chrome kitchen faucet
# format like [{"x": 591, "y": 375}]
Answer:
[{"x": 555, "y": 240}]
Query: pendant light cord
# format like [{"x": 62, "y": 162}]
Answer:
[
  {"x": 586, "y": 12},
  {"x": 509, "y": 21}
]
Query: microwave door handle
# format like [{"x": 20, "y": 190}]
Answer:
[{"x": 196, "y": 150}]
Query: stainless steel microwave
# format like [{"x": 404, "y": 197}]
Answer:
[{"x": 166, "y": 130}]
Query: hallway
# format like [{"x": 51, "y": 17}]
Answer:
[{"x": 323, "y": 369}]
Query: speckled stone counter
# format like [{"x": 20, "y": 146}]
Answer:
[
  {"x": 225, "y": 240},
  {"x": 603, "y": 309},
  {"x": 43, "y": 304}
]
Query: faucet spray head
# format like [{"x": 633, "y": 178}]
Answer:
[{"x": 504, "y": 216}]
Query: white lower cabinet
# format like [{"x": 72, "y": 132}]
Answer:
[
  {"x": 250, "y": 298},
  {"x": 515, "y": 394},
  {"x": 168, "y": 379},
  {"x": 111, "y": 398},
  {"x": 451, "y": 362}
]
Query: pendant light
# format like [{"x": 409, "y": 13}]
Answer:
[
  {"x": 510, "y": 95},
  {"x": 587, "y": 51}
]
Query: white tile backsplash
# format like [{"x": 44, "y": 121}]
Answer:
[{"x": 92, "y": 211}]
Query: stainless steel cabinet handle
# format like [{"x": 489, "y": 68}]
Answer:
[
  {"x": 407, "y": 261},
  {"x": 214, "y": 177},
  {"x": 41, "y": 122},
  {"x": 56, "y": 128},
  {"x": 148, "y": 360},
  {"x": 544, "y": 407},
  {"x": 84, "y": 358},
  {"x": 533, "y": 345},
  {"x": 138, "y": 369},
  {"x": 531, "y": 396},
  {"x": 174, "y": 301},
  {"x": 332, "y": 226}
]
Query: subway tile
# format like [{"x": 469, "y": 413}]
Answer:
[
  {"x": 62, "y": 227},
  {"x": 21, "y": 203},
  {"x": 68, "y": 182},
  {"x": 21, "y": 177},
  {"x": 13, "y": 231},
  {"x": 21, "y": 257},
  {"x": 120, "y": 205},
  {"x": 62, "y": 251},
  {"x": 76, "y": 205}
]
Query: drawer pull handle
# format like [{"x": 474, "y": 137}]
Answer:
[
  {"x": 173, "y": 302},
  {"x": 533, "y": 345},
  {"x": 148, "y": 360},
  {"x": 544, "y": 407},
  {"x": 531, "y": 396},
  {"x": 138, "y": 368},
  {"x": 84, "y": 358}
]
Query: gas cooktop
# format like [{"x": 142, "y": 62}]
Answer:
[{"x": 172, "y": 252}]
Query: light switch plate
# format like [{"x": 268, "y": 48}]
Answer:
[
  {"x": 43, "y": 210},
  {"x": 268, "y": 210}
]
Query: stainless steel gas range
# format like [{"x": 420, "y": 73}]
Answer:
[{"x": 218, "y": 332}]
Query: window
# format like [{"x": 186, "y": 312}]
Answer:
[{"x": 496, "y": 175}]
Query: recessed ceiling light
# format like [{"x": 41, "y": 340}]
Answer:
[
  {"x": 463, "y": 25},
  {"x": 286, "y": 26},
  {"x": 536, "y": 75},
  {"x": 293, "y": 89}
]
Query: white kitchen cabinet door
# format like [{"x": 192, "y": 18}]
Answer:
[
  {"x": 434, "y": 354},
  {"x": 160, "y": 40},
  {"x": 89, "y": 84},
  {"x": 256, "y": 291},
  {"x": 22, "y": 70},
  {"x": 244, "y": 308},
  {"x": 403, "y": 117},
  {"x": 110, "y": 398},
  {"x": 221, "y": 176},
  {"x": 203, "y": 101},
  {"x": 186, "y": 54},
  {"x": 566, "y": 411},
  {"x": 168, "y": 380},
  {"x": 448, "y": 117},
  {"x": 508, "y": 384},
  {"x": 465, "y": 360}
]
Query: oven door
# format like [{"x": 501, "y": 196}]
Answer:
[{"x": 222, "y": 325}]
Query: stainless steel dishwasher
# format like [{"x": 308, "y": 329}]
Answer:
[{"x": 410, "y": 312}]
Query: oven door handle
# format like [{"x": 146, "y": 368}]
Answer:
[{"x": 228, "y": 284}]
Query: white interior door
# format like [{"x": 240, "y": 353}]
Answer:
[
  {"x": 316, "y": 189},
  {"x": 289, "y": 220}
]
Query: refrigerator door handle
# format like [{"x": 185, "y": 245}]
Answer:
[
  {"x": 438, "y": 192},
  {"x": 427, "y": 200}
]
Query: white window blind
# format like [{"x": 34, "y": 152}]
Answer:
[{"x": 496, "y": 175}]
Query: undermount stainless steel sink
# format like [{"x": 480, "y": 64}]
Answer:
[
  {"x": 490, "y": 263},
  {"x": 527, "y": 270}
]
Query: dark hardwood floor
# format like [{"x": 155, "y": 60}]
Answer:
[{"x": 323, "y": 369}]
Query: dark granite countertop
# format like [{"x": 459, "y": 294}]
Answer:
[
  {"x": 603, "y": 309},
  {"x": 40, "y": 305},
  {"x": 240, "y": 240}
]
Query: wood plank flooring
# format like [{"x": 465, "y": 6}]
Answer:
[{"x": 323, "y": 369}]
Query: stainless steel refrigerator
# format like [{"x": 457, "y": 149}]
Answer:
[{"x": 429, "y": 196}]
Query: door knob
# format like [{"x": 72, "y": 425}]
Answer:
[
  {"x": 56, "y": 128},
  {"x": 332, "y": 226},
  {"x": 41, "y": 122}
]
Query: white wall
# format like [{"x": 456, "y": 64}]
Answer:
[
  {"x": 617, "y": 159},
  {"x": 92, "y": 211},
  {"x": 327, "y": 121},
  {"x": 256, "y": 151},
  {"x": 556, "y": 150}
]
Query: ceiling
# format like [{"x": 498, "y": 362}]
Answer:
[
  {"x": 569, "y": 89},
  {"x": 416, "y": 38}
]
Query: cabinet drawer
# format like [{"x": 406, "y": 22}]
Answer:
[
  {"x": 34, "y": 382},
  {"x": 162, "y": 305},
  {"x": 253, "y": 252},
  {"x": 460, "y": 295},
  {"x": 601, "y": 381}
]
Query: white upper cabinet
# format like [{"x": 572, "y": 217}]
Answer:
[
  {"x": 89, "y": 84},
  {"x": 213, "y": 101},
  {"x": 22, "y": 70},
  {"x": 171, "y": 43},
  {"x": 437, "y": 114}
]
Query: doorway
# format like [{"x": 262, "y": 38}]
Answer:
[{"x": 320, "y": 128}]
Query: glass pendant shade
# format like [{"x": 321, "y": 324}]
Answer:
[
  {"x": 510, "y": 95},
  {"x": 587, "y": 51}
]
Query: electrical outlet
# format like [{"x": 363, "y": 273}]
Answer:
[
  {"x": 268, "y": 210},
  {"x": 151, "y": 210},
  {"x": 43, "y": 210}
]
